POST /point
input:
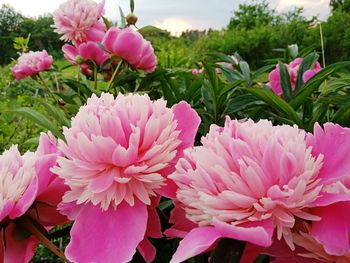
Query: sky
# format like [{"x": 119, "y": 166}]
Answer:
[{"x": 175, "y": 16}]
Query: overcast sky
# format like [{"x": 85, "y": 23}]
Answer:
[{"x": 178, "y": 15}]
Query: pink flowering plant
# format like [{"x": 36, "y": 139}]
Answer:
[{"x": 215, "y": 161}]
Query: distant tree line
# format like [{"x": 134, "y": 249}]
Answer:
[{"x": 13, "y": 24}]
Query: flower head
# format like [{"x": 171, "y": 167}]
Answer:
[
  {"x": 249, "y": 179},
  {"x": 32, "y": 63},
  {"x": 293, "y": 69},
  {"x": 77, "y": 21},
  {"x": 29, "y": 189},
  {"x": 118, "y": 154},
  {"x": 132, "y": 47}
]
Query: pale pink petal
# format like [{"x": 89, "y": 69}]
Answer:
[
  {"x": 107, "y": 236},
  {"x": 196, "y": 242}
]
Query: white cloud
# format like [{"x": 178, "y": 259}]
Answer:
[{"x": 175, "y": 25}]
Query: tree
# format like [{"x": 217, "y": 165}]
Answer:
[
  {"x": 251, "y": 15},
  {"x": 10, "y": 20},
  {"x": 344, "y": 5}
]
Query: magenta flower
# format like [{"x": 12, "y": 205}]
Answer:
[
  {"x": 251, "y": 180},
  {"x": 77, "y": 21},
  {"x": 28, "y": 189},
  {"x": 85, "y": 52},
  {"x": 293, "y": 68},
  {"x": 31, "y": 63},
  {"x": 118, "y": 154},
  {"x": 132, "y": 47}
]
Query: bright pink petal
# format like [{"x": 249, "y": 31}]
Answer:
[
  {"x": 6, "y": 210},
  {"x": 333, "y": 142},
  {"x": 107, "y": 237},
  {"x": 332, "y": 231},
  {"x": 259, "y": 234},
  {"x": 250, "y": 253},
  {"x": 196, "y": 242},
  {"x": 18, "y": 251}
]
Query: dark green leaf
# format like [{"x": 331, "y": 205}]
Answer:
[{"x": 285, "y": 81}]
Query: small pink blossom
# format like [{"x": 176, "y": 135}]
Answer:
[
  {"x": 28, "y": 189},
  {"x": 118, "y": 153},
  {"x": 85, "y": 52},
  {"x": 250, "y": 181},
  {"x": 132, "y": 47},
  {"x": 77, "y": 21},
  {"x": 32, "y": 63},
  {"x": 293, "y": 69}
]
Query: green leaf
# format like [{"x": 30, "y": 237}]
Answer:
[
  {"x": 308, "y": 62},
  {"x": 277, "y": 103},
  {"x": 39, "y": 119},
  {"x": 314, "y": 83},
  {"x": 262, "y": 70},
  {"x": 108, "y": 23},
  {"x": 132, "y": 6},
  {"x": 285, "y": 81},
  {"x": 122, "y": 18},
  {"x": 148, "y": 30},
  {"x": 245, "y": 70},
  {"x": 56, "y": 113}
]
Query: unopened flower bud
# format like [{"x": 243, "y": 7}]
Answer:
[{"x": 131, "y": 19}]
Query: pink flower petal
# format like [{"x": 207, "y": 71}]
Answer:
[
  {"x": 147, "y": 250},
  {"x": 18, "y": 251},
  {"x": 332, "y": 231},
  {"x": 333, "y": 142},
  {"x": 259, "y": 234},
  {"x": 107, "y": 236},
  {"x": 196, "y": 242}
]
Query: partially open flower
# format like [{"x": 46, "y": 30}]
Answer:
[
  {"x": 28, "y": 190},
  {"x": 77, "y": 21},
  {"x": 32, "y": 63},
  {"x": 118, "y": 154},
  {"x": 132, "y": 47}
]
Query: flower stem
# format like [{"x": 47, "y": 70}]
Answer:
[
  {"x": 41, "y": 80},
  {"x": 30, "y": 226},
  {"x": 114, "y": 75}
]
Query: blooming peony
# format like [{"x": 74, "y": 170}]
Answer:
[
  {"x": 86, "y": 52},
  {"x": 118, "y": 154},
  {"x": 77, "y": 21},
  {"x": 31, "y": 63},
  {"x": 28, "y": 189},
  {"x": 132, "y": 47},
  {"x": 293, "y": 68},
  {"x": 250, "y": 179}
]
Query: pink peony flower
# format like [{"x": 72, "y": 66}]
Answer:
[
  {"x": 197, "y": 71},
  {"x": 28, "y": 189},
  {"x": 86, "y": 52},
  {"x": 31, "y": 63},
  {"x": 118, "y": 154},
  {"x": 250, "y": 179},
  {"x": 293, "y": 69},
  {"x": 77, "y": 21},
  {"x": 132, "y": 47}
]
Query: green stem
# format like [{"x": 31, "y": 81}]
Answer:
[
  {"x": 322, "y": 46},
  {"x": 95, "y": 76},
  {"x": 113, "y": 77},
  {"x": 41, "y": 80}
]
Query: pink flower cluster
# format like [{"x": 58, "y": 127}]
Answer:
[
  {"x": 118, "y": 154},
  {"x": 28, "y": 191},
  {"x": 32, "y": 63},
  {"x": 266, "y": 185},
  {"x": 78, "y": 22},
  {"x": 293, "y": 69}
]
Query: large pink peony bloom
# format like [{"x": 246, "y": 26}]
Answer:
[
  {"x": 293, "y": 68},
  {"x": 86, "y": 52},
  {"x": 132, "y": 47},
  {"x": 28, "y": 189},
  {"x": 31, "y": 63},
  {"x": 77, "y": 21},
  {"x": 250, "y": 179},
  {"x": 118, "y": 154}
]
